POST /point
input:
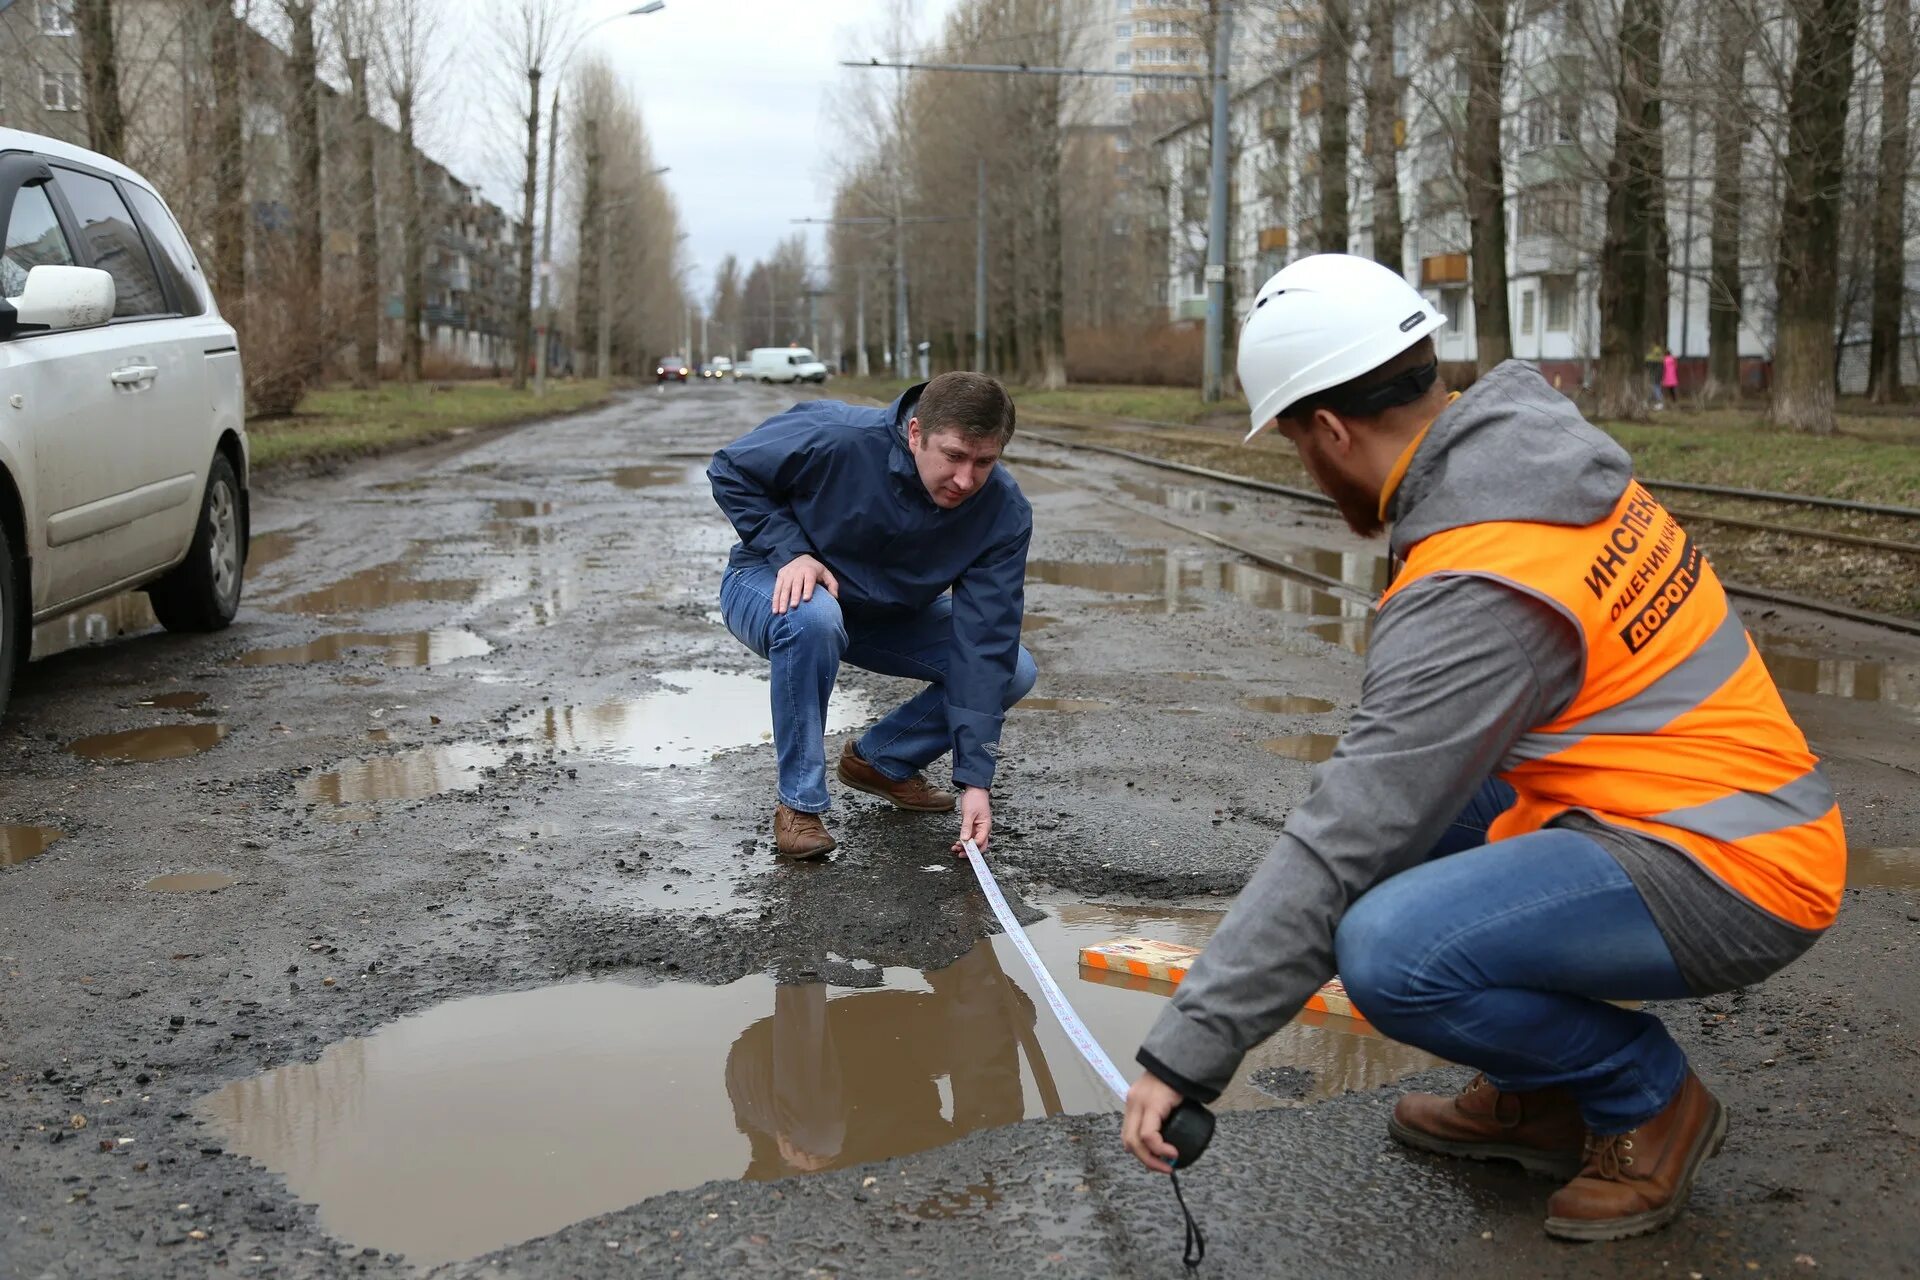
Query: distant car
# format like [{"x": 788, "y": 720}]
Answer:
[
  {"x": 126, "y": 442},
  {"x": 784, "y": 364},
  {"x": 719, "y": 368},
  {"x": 670, "y": 369}
]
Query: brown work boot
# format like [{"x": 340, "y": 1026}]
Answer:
[
  {"x": 801, "y": 835},
  {"x": 914, "y": 792},
  {"x": 1638, "y": 1181},
  {"x": 1541, "y": 1131}
]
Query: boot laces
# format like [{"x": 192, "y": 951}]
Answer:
[{"x": 1609, "y": 1155}]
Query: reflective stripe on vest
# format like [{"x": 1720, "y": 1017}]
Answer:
[{"x": 1677, "y": 730}]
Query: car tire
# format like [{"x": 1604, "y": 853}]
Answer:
[
  {"x": 13, "y": 635},
  {"x": 202, "y": 593}
]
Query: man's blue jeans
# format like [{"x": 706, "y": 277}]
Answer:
[
  {"x": 1501, "y": 956},
  {"x": 806, "y": 646}
]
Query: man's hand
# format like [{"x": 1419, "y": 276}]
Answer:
[
  {"x": 797, "y": 580},
  {"x": 976, "y": 818},
  {"x": 1149, "y": 1103}
]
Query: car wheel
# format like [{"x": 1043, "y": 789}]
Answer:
[
  {"x": 203, "y": 592},
  {"x": 12, "y": 634}
]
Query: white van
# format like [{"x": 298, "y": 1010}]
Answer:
[{"x": 782, "y": 364}]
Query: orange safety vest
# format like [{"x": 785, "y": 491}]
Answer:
[{"x": 1677, "y": 730}]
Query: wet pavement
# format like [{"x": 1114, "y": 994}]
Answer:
[{"x": 431, "y": 910}]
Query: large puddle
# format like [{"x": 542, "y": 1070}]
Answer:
[
  {"x": 159, "y": 742},
  {"x": 189, "y": 882},
  {"x": 1885, "y": 868},
  {"x": 1312, "y": 747},
  {"x": 103, "y": 621},
  {"x": 377, "y": 588},
  {"x": 395, "y": 649},
  {"x": 1288, "y": 705},
  {"x": 655, "y": 476},
  {"x": 697, "y": 714},
  {"x": 19, "y": 843},
  {"x": 408, "y": 775},
  {"x": 493, "y": 1119},
  {"x": 1861, "y": 679},
  {"x": 1174, "y": 583}
]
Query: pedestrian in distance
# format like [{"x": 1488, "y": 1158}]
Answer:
[
  {"x": 1656, "y": 361},
  {"x": 890, "y": 539},
  {"x": 1669, "y": 378},
  {"x": 1570, "y": 779}
]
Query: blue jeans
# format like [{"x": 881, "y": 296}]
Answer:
[
  {"x": 806, "y": 645},
  {"x": 1501, "y": 956}
]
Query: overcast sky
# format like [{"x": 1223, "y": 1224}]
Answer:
[{"x": 735, "y": 96}]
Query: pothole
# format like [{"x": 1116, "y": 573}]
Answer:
[
  {"x": 144, "y": 746},
  {"x": 1861, "y": 679},
  {"x": 657, "y": 476},
  {"x": 408, "y": 775},
  {"x": 1353, "y": 636},
  {"x": 190, "y": 882},
  {"x": 698, "y": 714},
  {"x": 1313, "y": 747},
  {"x": 1288, "y": 705},
  {"x": 1184, "y": 499},
  {"x": 395, "y": 649},
  {"x": 493, "y": 1119},
  {"x": 377, "y": 588},
  {"x": 19, "y": 843},
  {"x": 1885, "y": 868}
]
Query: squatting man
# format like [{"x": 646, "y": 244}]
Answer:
[
  {"x": 889, "y": 539},
  {"x": 1570, "y": 779}
]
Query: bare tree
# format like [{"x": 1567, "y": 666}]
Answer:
[
  {"x": 353, "y": 23},
  {"x": 1486, "y": 181},
  {"x": 1336, "y": 106},
  {"x": 1889, "y": 206},
  {"x": 100, "y": 73},
  {"x": 228, "y": 161},
  {"x": 530, "y": 34},
  {"x": 406, "y": 40},
  {"x": 1732, "y": 123},
  {"x": 1384, "y": 126},
  {"x": 303, "y": 85},
  {"x": 592, "y": 234},
  {"x": 1628, "y": 248},
  {"x": 1807, "y": 268}
]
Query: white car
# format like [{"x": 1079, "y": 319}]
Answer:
[
  {"x": 782, "y": 364},
  {"x": 123, "y": 444}
]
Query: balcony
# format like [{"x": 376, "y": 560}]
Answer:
[
  {"x": 1444, "y": 268},
  {"x": 1273, "y": 238}
]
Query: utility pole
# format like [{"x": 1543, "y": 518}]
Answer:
[
  {"x": 604, "y": 339},
  {"x": 980, "y": 272},
  {"x": 545, "y": 327},
  {"x": 1217, "y": 207},
  {"x": 903, "y": 354},
  {"x": 860, "y": 319}
]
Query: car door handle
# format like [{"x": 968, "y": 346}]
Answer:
[{"x": 134, "y": 374}]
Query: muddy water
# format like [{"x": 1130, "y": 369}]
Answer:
[
  {"x": 1313, "y": 747},
  {"x": 189, "y": 882},
  {"x": 1885, "y": 868},
  {"x": 401, "y": 649},
  {"x": 1353, "y": 636},
  {"x": 697, "y": 714},
  {"x": 160, "y": 742},
  {"x": 126, "y": 614},
  {"x": 1287, "y": 705},
  {"x": 1069, "y": 705},
  {"x": 493, "y": 1119},
  {"x": 376, "y": 588},
  {"x": 1184, "y": 499},
  {"x": 19, "y": 843},
  {"x": 1861, "y": 679},
  {"x": 410, "y": 775},
  {"x": 520, "y": 509},
  {"x": 1037, "y": 621},
  {"x": 184, "y": 700},
  {"x": 657, "y": 477},
  {"x": 1177, "y": 584},
  {"x": 265, "y": 548}
]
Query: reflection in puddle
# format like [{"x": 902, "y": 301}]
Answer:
[
  {"x": 656, "y": 477},
  {"x": 401, "y": 649},
  {"x": 411, "y": 775},
  {"x": 1862, "y": 679},
  {"x": 161, "y": 742},
  {"x": 1367, "y": 570},
  {"x": 185, "y": 700},
  {"x": 123, "y": 615},
  {"x": 520, "y": 509},
  {"x": 1288, "y": 705},
  {"x": 700, "y": 713},
  {"x": 971, "y": 1201},
  {"x": 1313, "y": 747},
  {"x": 1181, "y": 498},
  {"x": 1352, "y": 635},
  {"x": 1060, "y": 704},
  {"x": 1176, "y": 584},
  {"x": 376, "y": 588},
  {"x": 189, "y": 882},
  {"x": 1886, "y": 868},
  {"x": 265, "y": 548},
  {"x": 439, "y": 1136},
  {"x": 17, "y": 844}
]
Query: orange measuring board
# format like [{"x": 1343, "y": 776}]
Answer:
[{"x": 1168, "y": 962}]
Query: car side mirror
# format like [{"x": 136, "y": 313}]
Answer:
[{"x": 57, "y": 297}]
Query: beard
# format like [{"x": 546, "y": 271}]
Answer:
[{"x": 1358, "y": 507}]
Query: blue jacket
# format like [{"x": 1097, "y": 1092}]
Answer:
[{"x": 837, "y": 482}]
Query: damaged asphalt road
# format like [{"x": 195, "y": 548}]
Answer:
[{"x": 492, "y": 969}]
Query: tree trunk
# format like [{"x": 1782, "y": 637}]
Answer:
[
  {"x": 1486, "y": 183},
  {"x": 592, "y": 251},
  {"x": 414, "y": 305},
  {"x": 1659, "y": 243},
  {"x": 1889, "y": 208},
  {"x": 1730, "y": 129},
  {"x": 229, "y": 161},
  {"x": 1336, "y": 105},
  {"x": 303, "y": 71},
  {"x": 1628, "y": 247},
  {"x": 1807, "y": 277},
  {"x": 367, "y": 304},
  {"x": 1383, "y": 116},
  {"x": 100, "y": 74},
  {"x": 523, "y": 297}
]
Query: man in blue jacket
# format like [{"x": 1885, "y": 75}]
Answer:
[{"x": 890, "y": 539}]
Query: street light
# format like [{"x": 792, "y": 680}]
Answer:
[{"x": 553, "y": 149}]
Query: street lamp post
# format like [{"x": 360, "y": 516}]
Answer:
[{"x": 545, "y": 328}]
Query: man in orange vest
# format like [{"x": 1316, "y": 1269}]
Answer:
[{"x": 1570, "y": 779}]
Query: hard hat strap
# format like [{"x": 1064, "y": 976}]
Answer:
[{"x": 1370, "y": 402}]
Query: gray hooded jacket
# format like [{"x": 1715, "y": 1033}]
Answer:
[{"x": 1457, "y": 670}]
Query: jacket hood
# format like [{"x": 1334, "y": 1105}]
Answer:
[{"x": 1510, "y": 448}]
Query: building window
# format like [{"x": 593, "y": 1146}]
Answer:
[
  {"x": 1552, "y": 210},
  {"x": 1453, "y": 306},
  {"x": 1559, "y": 304},
  {"x": 1526, "y": 313},
  {"x": 1123, "y": 84},
  {"x": 1122, "y": 143},
  {"x": 60, "y": 90},
  {"x": 1123, "y": 59},
  {"x": 1122, "y": 6},
  {"x": 1123, "y": 31},
  {"x": 1547, "y": 121},
  {"x": 56, "y": 17}
]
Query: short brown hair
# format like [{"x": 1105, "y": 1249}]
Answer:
[{"x": 973, "y": 404}]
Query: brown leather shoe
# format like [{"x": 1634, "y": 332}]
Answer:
[
  {"x": 1638, "y": 1181},
  {"x": 1542, "y": 1131},
  {"x": 914, "y": 793},
  {"x": 801, "y": 835}
]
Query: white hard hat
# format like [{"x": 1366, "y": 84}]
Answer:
[{"x": 1322, "y": 321}]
